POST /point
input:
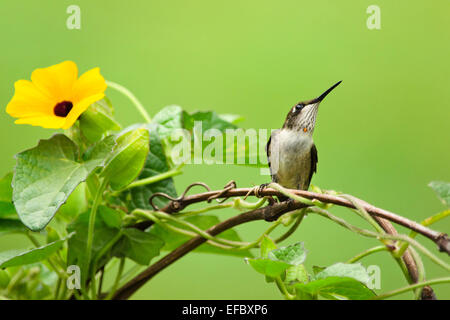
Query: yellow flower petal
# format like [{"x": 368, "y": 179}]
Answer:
[
  {"x": 29, "y": 100},
  {"x": 49, "y": 122},
  {"x": 79, "y": 108},
  {"x": 90, "y": 83},
  {"x": 56, "y": 81}
]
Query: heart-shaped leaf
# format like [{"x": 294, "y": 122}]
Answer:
[
  {"x": 47, "y": 174},
  {"x": 354, "y": 270},
  {"x": 138, "y": 245}
]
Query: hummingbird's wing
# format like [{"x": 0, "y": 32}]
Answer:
[
  {"x": 273, "y": 176},
  {"x": 314, "y": 160}
]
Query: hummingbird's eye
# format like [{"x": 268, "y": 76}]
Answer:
[{"x": 299, "y": 107}]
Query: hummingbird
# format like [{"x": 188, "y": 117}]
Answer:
[{"x": 291, "y": 152}]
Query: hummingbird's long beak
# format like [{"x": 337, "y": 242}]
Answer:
[{"x": 323, "y": 95}]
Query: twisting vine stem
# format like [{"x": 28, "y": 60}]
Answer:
[{"x": 285, "y": 212}]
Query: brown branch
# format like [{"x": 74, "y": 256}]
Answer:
[
  {"x": 441, "y": 239},
  {"x": 271, "y": 213},
  {"x": 427, "y": 292}
]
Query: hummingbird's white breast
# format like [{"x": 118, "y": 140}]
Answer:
[{"x": 290, "y": 158}]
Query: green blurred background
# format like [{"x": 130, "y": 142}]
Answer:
[{"x": 382, "y": 135}]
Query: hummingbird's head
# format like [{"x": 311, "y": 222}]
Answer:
[{"x": 302, "y": 116}]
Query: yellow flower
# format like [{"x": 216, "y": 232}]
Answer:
[{"x": 55, "y": 97}]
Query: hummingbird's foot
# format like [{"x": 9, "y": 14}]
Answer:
[
  {"x": 258, "y": 192},
  {"x": 260, "y": 189}
]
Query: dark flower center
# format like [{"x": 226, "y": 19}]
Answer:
[{"x": 62, "y": 109}]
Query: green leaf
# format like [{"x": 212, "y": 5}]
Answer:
[
  {"x": 209, "y": 120},
  {"x": 267, "y": 245},
  {"x": 339, "y": 281},
  {"x": 317, "y": 269},
  {"x": 8, "y": 226},
  {"x": 99, "y": 152},
  {"x": 268, "y": 267},
  {"x": 4, "y": 279},
  {"x": 20, "y": 257},
  {"x": 52, "y": 235},
  {"x": 112, "y": 218},
  {"x": 294, "y": 254},
  {"x": 156, "y": 163},
  {"x": 138, "y": 245},
  {"x": 355, "y": 271},
  {"x": 173, "y": 117},
  {"x": 97, "y": 121},
  {"x": 168, "y": 119},
  {"x": 443, "y": 191},
  {"x": 127, "y": 159},
  {"x": 173, "y": 240},
  {"x": 7, "y": 209},
  {"x": 44, "y": 178},
  {"x": 75, "y": 204},
  {"x": 5, "y": 187},
  {"x": 337, "y": 287},
  {"x": 232, "y": 118}
]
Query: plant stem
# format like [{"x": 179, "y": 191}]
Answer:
[
  {"x": 133, "y": 99},
  {"x": 363, "y": 213},
  {"x": 58, "y": 287},
  {"x": 62, "y": 295},
  {"x": 281, "y": 286},
  {"x": 97, "y": 258},
  {"x": 285, "y": 192},
  {"x": 91, "y": 227},
  {"x": 242, "y": 204},
  {"x": 130, "y": 273},
  {"x": 426, "y": 222},
  {"x": 162, "y": 176},
  {"x": 372, "y": 234},
  {"x": 411, "y": 287},
  {"x": 366, "y": 253},
  {"x": 117, "y": 280},
  {"x": 420, "y": 269},
  {"x": 185, "y": 214},
  {"x": 155, "y": 215},
  {"x": 293, "y": 228}
]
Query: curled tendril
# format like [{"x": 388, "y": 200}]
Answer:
[
  {"x": 229, "y": 186},
  {"x": 180, "y": 198}
]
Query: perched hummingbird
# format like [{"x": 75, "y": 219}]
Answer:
[{"x": 291, "y": 153}]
